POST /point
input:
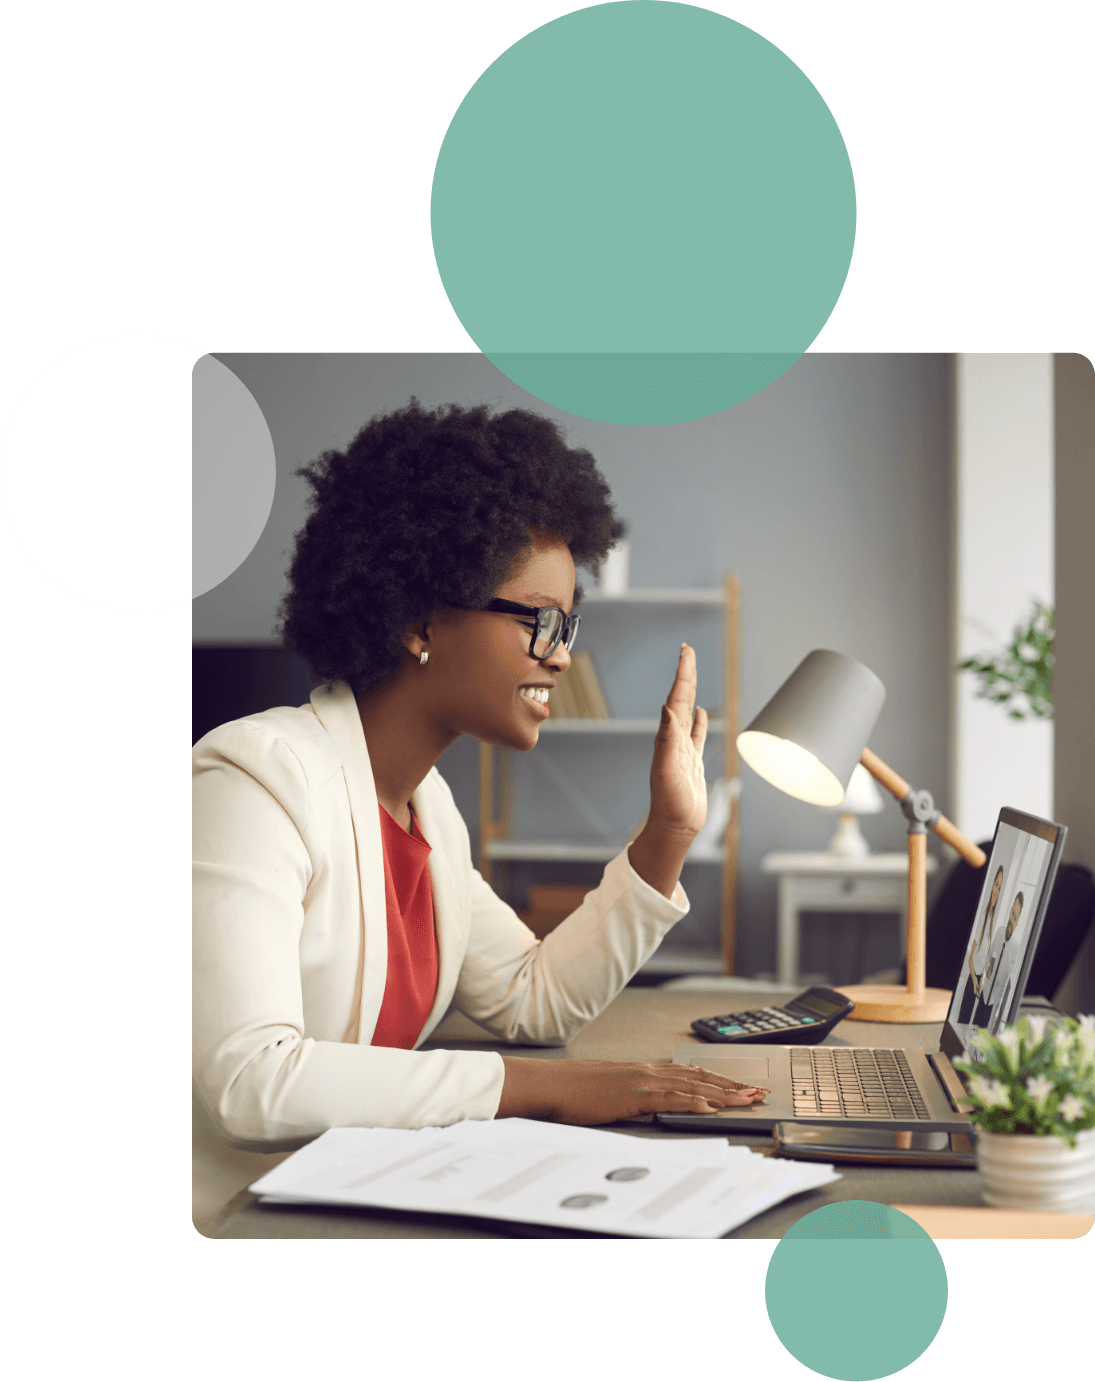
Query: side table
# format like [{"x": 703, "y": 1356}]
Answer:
[{"x": 824, "y": 882}]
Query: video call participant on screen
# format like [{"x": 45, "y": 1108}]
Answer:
[
  {"x": 978, "y": 955},
  {"x": 999, "y": 973}
]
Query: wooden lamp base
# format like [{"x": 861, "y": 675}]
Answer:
[
  {"x": 894, "y": 1003},
  {"x": 915, "y": 1002}
]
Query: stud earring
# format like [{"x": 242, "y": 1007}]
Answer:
[{"x": 423, "y": 658}]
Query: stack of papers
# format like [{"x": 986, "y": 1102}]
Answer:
[{"x": 544, "y": 1173}]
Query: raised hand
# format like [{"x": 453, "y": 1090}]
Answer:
[{"x": 678, "y": 791}]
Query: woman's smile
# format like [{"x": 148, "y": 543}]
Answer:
[{"x": 536, "y": 697}]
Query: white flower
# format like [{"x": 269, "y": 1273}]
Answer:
[
  {"x": 1008, "y": 1038},
  {"x": 1039, "y": 1089},
  {"x": 1072, "y": 1108},
  {"x": 991, "y": 1092},
  {"x": 1026, "y": 651},
  {"x": 1062, "y": 1045},
  {"x": 1085, "y": 1038},
  {"x": 1037, "y": 1029}
]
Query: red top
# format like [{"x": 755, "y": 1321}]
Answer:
[{"x": 411, "y": 985}]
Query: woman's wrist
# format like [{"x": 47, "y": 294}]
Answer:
[
  {"x": 657, "y": 855},
  {"x": 528, "y": 1090}
]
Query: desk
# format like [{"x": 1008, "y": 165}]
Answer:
[
  {"x": 641, "y": 1024},
  {"x": 823, "y": 882}
]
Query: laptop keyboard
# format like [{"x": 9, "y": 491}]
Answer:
[{"x": 856, "y": 1081}]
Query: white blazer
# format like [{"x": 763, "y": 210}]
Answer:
[{"x": 290, "y": 940}]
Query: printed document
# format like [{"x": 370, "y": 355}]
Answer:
[{"x": 544, "y": 1173}]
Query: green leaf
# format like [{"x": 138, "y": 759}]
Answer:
[{"x": 1015, "y": 671}]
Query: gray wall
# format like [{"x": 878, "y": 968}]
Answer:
[
  {"x": 1074, "y": 639},
  {"x": 828, "y": 494}
]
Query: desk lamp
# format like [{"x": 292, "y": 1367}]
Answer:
[{"x": 806, "y": 741}]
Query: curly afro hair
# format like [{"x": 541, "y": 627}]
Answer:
[{"x": 429, "y": 510}]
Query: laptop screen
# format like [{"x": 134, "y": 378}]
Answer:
[{"x": 1006, "y": 926}]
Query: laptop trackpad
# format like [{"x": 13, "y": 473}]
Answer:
[{"x": 747, "y": 1069}]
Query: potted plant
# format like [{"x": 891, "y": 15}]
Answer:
[
  {"x": 1033, "y": 1096},
  {"x": 1021, "y": 677}
]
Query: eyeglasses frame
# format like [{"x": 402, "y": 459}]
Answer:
[{"x": 568, "y": 629}]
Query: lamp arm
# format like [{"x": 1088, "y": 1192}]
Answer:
[
  {"x": 945, "y": 829},
  {"x": 886, "y": 775},
  {"x": 949, "y": 832}
]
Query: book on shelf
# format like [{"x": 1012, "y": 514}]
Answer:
[
  {"x": 551, "y": 903},
  {"x": 596, "y": 704},
  {"x": 561, "y": 698},
  {"x": 577, "y": 689},
  {"x": 578, "y": 694}
]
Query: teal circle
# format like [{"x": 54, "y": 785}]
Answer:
[
  {"x": 643, "y": 212},
  {"x": 856, "y": 1290}
]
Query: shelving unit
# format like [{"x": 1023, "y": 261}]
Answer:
[{"x": 495, "y": 783}]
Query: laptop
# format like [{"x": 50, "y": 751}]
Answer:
[{"x": 905, "y": 1088}]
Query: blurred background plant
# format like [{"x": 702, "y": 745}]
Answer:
[{"x": 1021, "y": 677}]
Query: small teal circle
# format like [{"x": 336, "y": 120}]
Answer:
[
  {"x": 856, "y": 1290},
  {"x": 643, "y": 212}
]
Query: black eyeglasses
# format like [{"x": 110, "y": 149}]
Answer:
[{"x": 551, "y": 626}]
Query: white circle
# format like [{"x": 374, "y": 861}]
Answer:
[
  {"x": 96, "y": 471},
  {"x": 234, "y": 473}
]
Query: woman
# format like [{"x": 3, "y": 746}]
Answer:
[
  {"x": 979, "y": 951},
  {"x": 337, "y": 910}
]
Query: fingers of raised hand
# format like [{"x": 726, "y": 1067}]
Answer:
[
  {"x": 699, "y": 729},
  {"x": 682, "y": 695}
]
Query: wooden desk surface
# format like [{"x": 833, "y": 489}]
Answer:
[{"x": 644, "y": 1024}]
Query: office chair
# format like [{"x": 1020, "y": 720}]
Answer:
[
  {"x": 1067, "y": 921},
  {"x": 231, "y": 681}
]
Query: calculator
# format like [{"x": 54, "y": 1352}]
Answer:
[{"x": 803, "y": 1021}]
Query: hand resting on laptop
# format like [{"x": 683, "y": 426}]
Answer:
[{"x": 602, "y": 1091}]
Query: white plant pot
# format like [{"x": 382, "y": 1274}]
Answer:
[{"x": 1029, "y": 1171}]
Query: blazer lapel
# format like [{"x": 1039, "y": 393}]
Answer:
[
  {"x": 450, "y": 904},
  {"x": 337, "y": 711}
]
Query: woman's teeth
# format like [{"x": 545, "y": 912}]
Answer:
[{"x": 535, "y": 693}]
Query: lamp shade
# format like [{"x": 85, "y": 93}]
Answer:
[{"x": 808, "y": 738}]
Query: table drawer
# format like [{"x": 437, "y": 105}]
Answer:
[{"x": 835, "y": 894}]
